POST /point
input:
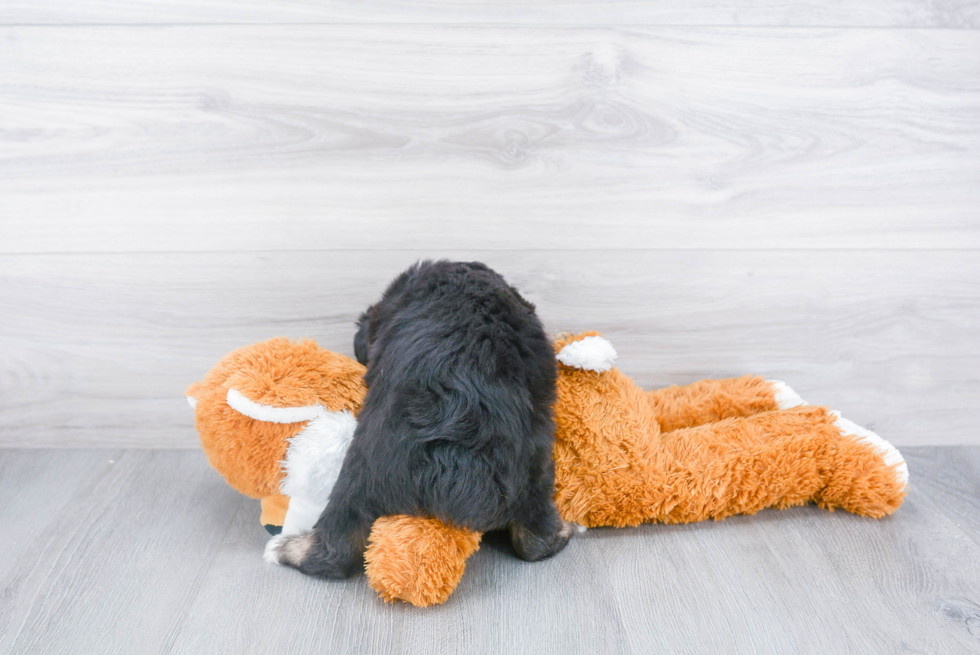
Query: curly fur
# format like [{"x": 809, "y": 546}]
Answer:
[{"x": 457, "y": 422}]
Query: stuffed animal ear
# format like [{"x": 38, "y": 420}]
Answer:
[
  {"x": 193, "y": 393},
  {"x": 270, "y": 413},
  {"x": 588, "y": 351},
  {"x": 417, "y": 560},
  {"x": 285, "y": 374}
]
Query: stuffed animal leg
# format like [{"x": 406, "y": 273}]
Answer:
[
  {"x": 713, "y": 400},
  {"x": 704, "y": 404},
  {"x": 417, "y": 560},
  {"x": 741, "y": 465}
]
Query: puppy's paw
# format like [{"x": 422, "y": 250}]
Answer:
[
  {"x": 533, "y": 546},
  {"x": 271, "y": 554},
  {"x": 563, "y": 536},
  {"x": 289, "y": 551}
]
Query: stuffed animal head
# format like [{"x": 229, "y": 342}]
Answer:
[{"x": 275, "y": 419}]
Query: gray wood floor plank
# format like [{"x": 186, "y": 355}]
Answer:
[
  {"x": 36, "y": 489},
  {"x": 803, "y": 580},
  {"x": 112, "y": 570},
  {"x": 98, "y": 349},
  {"x": 159, "y": 557},
  {"x": 804, "y": 575},
  {"x": 951, "y": 477},
  {"x": 208, "y": 138},
  {"x": 239, "y": 585},
  {"x": 876, "y": 13}
]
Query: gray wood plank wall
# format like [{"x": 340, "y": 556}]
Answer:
[
  {"x": 782, "y": 13},
  {"x": 790, "y": 189}
]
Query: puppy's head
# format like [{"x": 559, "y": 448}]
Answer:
[
  {"x": 372, "y": 320},
  {"x": 364, "y": 335}
]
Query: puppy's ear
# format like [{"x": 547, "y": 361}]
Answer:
[{"x": 362, "y": 339}]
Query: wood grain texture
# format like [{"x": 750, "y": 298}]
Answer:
[
  {"x": 173, "y": 565},
  {"x": 869, "y": 13},
  {"x": 98, "y": 349},
  {"x": 114, "y": 567},
  {"x": 36, "y": 491},
  {"x": 952, "y": 478},
  {"x": 230, "y": 138}
]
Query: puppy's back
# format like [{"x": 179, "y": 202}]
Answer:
[
  {"x": 461, "y": 380},
  {"x": 456, "y": 423}
]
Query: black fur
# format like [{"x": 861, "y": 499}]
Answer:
[{"x": 457, "y": 422}]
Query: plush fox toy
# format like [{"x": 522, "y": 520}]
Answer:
[{"x": 275, "y": 420}]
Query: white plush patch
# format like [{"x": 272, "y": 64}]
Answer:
[
  {"x": 259, "y": 412},
  {"x": 315, "y": 455},
  {"x": 888, "y": 452},
  {"x": 192, "y": 401},
  {"x": 591, "y": 354},
  {"x": 786, "y": 398}
]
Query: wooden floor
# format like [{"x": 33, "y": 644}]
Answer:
[{"x": 136, "y": 551}]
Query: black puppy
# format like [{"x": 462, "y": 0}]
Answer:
[{"x": 457, "y": 422}]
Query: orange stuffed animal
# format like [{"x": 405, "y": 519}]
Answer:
[{"x": 275, "y": 419}]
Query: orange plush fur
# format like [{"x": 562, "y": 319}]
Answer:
[
  {"x": 623, "y": 456},
  {"x": 736, "y": 454},
  {"x": 418, "y": 560}
]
